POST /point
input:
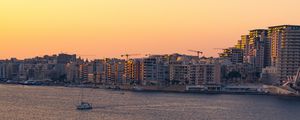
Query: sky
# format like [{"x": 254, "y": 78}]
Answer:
[{"x": 109, "y": 28}]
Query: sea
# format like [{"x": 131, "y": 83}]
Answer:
[{"x": 18, "y": 102}]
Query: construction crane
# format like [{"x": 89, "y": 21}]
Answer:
[
  {"x": 197, "y": 51},
  {"x": 129, "y": 55}
]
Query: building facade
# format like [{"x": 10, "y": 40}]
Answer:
[
  {"x": 155, "y": 70},
  {"x": 258, "y": 53},
  {"x": 285, "y": 49},
  {"x": 235, "y": 55}
]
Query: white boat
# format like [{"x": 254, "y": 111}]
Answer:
[
  {"x": 137, "y": 88},
  {"x": 84, "y": 106}
]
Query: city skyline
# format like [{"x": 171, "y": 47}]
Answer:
[
  {"x": 125, "y": 56},
  {"x": 150, "y": 59},
  {"x": 111, "y": 28}
]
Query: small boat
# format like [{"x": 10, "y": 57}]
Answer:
[
  {"x": 137, "y": 88},
  {"x": 84, "y": 106}
]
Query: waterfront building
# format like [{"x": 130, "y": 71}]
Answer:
[
  {"x": 204, "y": 74},
  {"x": 181, "y": 69},
  {"x": 235, "y": 55},
  {"x": 38, "y": 71},
  {"x": 13, "y": 70},
  {"x": 98, "y": 70},
  {"x": 285, "y": 49},
  {"x": 114, "y": 71},
  {"x": 83, "y": 72},
  {"x": 179, "y": 73},
  {"x": 259, "y": 49},
  {"x": 92, "y": 72},
  {"x": 155, "y": 70},
  {"x": 133, "y": 71},
  {"x": 189, "y": 70},
  {"x": 3, "y": 71},
  {"x": 72, "y": 72}
]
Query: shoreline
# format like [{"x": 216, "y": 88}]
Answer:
[{"x": 131, "y": 89}]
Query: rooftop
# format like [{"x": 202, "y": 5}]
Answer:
[
  {"x": 258, "y": 30},
  {"x": 284, "y": 26}
]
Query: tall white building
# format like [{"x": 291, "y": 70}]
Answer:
[{"x": 285, "y": 49}]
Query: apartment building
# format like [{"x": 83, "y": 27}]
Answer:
[{"x": 285, "y": 49}]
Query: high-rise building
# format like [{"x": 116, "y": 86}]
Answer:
[
  {"x": 239, "y": 45},
  {"x": 83, "y": 72},
  {"x": 235, "y": 55},
  {"x": 259, "y": 47},
  {"x": 114, "y": 71},
  {"x": 133, "y": 71},
  {"x": 285, "y": 49},
  {"x": 245, "y": 43}
]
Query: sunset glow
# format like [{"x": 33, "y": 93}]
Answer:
[{"x": 109, "y": 28}]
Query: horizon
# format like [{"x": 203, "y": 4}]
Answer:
[
  {"x": 86, "y": 58},
  {"x": 107, "y": 29}
]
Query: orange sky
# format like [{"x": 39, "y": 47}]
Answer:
[{"x": 108, "y": 28}]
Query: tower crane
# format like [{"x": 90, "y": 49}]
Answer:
[
  {"x": 129, "y": 55},
  {"x": 196, "y": 51}
]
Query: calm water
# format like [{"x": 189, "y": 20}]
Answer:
[{"x": 58, "y": 103}]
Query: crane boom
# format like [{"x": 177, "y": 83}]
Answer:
[
  {"x": 128, "y": 55},
  {"x": 196, "y": 51}
]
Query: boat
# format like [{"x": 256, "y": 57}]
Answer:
[
  {"x": 84, "y": 106},
  {"x": 137, "y": 88}
]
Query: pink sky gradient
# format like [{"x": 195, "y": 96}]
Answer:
[{"x": 109, "y": 28}]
